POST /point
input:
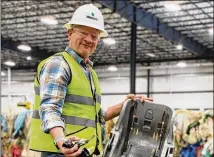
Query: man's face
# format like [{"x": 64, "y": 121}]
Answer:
[{"x": 83, "y": 40}]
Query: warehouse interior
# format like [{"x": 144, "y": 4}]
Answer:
[{"x": 160, "y": 49}]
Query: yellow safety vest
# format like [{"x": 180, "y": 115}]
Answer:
[{"x": 80, "y": 110}]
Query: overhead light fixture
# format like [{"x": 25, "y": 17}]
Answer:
[
  {"x": 112, "y": 68},
  {"x": 2, "y": 73},
  {"x": 172, "y": 5},
  {"x": 28, "y": 58},
  {"x": 179, "y": 47},
  {"x": 181, "y": 64},
  {"x": 24, "y": 47},
  {"x": 10, "y": 63},
  {"x": 109, "y": 41},
  {"x": 150, "y": 54},
  {"x": 211, "y": 31},
  {"x": 49, "y": 20}
]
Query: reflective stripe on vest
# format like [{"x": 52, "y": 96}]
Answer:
[
  {"x": 76, "y": 98},
  {"x": 71, "y": 120}
]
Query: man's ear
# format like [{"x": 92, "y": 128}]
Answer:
[{"x": 69, "y": 34}]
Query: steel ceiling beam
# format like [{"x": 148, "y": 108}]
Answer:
[
  {"x": 149, "y": 21},
  {"x": 10, "y": 44}
]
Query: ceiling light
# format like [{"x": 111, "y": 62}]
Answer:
[
  {"x": 24, "y": 47},
  {"x": 109, "y": 41},
  {"x": 172, "y": 5},
  {"x": 181, "y": 64},
  {"x": 2, "y": 74},
  {"x": 29, "y": 58},
  {"x": 211, "y": 31},
  {"x": 179, "y": 47},
  {"x": 150, "y": 54},
  {"x": 112, "y": 68},
  {"x": 49, "y": 20},
  {"x": 10, "y": 63}
]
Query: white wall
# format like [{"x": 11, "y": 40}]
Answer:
[
  {"x": 194, "y": 79},
  {"x": 20, "y": 92},
  {"x": 176, "y": 80},
  {"x": 185, "y": 101},
  {"x": 121, "y": 85},
  {"x": 188, "y": 81}
]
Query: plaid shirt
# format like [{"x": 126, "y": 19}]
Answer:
[{"x": 54, "y": 79}]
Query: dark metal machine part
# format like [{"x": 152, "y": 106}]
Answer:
[{"x": 140, "y": 131}]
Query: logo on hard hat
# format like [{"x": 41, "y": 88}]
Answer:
[{"x": 92, "y": 16}]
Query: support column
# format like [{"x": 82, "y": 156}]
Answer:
[
  {"x": 148, "y": 81},
  {"x": 133, "y": 54},
  {"x": 9, "y": 86}
]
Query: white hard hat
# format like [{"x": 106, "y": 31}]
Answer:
[{"x": 88, "y": 15}]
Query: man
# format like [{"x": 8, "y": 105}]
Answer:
[{"x": 68, "y": 94}]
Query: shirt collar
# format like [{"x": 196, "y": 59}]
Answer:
[{"x": 77, "y": 57}]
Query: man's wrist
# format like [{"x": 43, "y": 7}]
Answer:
[
  {"x": 59, "y": 144},
  {"x": 122, "y": 103},
  {"x": 59, "y": 141}
]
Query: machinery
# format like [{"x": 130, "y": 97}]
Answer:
[{"x": 141, "y": 131}]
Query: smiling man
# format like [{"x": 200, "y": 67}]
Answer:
[
  {"x": 85, "y": 47},
  {"x": 68, "y": 95}
]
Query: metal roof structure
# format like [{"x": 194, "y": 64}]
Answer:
[{"x": 158, "y": 30}]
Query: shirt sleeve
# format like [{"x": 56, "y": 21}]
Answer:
[
  {"x": 54, "y": 79},
  {"x": 103, "y": 112}
]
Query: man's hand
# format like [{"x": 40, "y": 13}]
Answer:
[
  {"x": 70, "y": 152},
  {"x": 115, "y": 110},
  {"x": 134, "y": 97}
]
